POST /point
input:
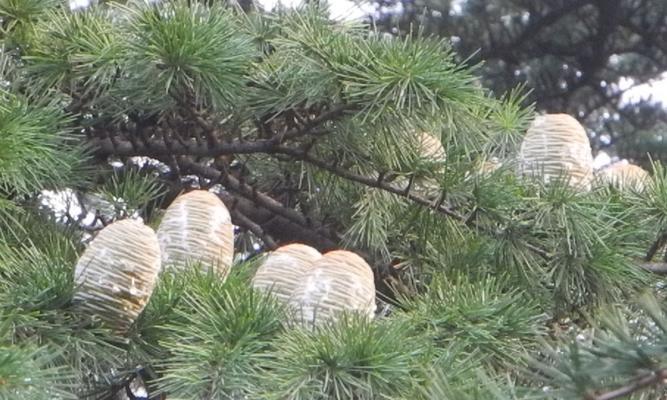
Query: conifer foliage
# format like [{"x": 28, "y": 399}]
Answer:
[{"x": 443, "y": 269}]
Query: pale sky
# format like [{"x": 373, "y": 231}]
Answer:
[{"x": 340, "y": 9}]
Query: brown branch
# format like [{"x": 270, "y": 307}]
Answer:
[
  {"x": 334, "y": 112},
  {"x": 157, "y": 148},
  {"x": 240, "y": 219},
  {"x": 245, "y": 222},
  {"x": 657, "y": 245},
  {"x": 246, "y": 191},
  {"x": 161, "y": 148},
  {"x": 659, "y": 268},
  {"x": 111, "y": 144},
  {"x": 653, "y": 379},
  {"x": 270, "y": 147},
  {"x": 366, "y": 180}
]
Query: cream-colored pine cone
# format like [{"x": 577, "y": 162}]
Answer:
[
  {"x": 431, "y": 149},
  {"x": 338, "y": 281},
  {"x": 116, "y": 274},
  {"x": 625, "y": 176},
  {"x": 284, "y": 268},
  {"x": 556, "y": 145},
  {"x": 483, "y": 169},
  {"x": 197, "y": 228},
  {"x": 489, "y": 166}
]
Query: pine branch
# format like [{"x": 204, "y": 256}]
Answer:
[
  {"x": 659, "y": 268},
  {"x": 157, "y": 148},
  {"x": 256, "y": 197},
  {"x": 653, "y": 379},
  {"x": 279, "y": 228},
  {"x": 111, "y": 144},
  {"x": 270, "y": 146},
  {"x": 244, "y": 221},
  {"x": 379, "y": 183},
  {"x": 657, "y": 245}
]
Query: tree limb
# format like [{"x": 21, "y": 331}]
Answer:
[
  {"x": 110, "y": 144},
  {"x": 653, "y": 379},
  {"x": 659, "y": 268},
  {"x": 657, "y": 245},
  {"x": 259, "y": 198},
  {"x": 302, "y": 155},
  {"x": 248, "y": 224}
]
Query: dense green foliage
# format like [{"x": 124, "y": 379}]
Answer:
[
  {"x": 578, "y": 57},
  {"x": 491, "y": 285}
]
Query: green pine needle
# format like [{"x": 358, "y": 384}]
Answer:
[
  {"x": 130, "y": 190},
  {"x": 75, "y": 52},
  {"x": 218, "y": 343},
  {"x": 625, "y": 345},
  {"x": 37, "y": 150},
  {"x": 186, "y": 53},
  {"x": 481, "y": 316},
  {"x": 471, "y": 383},
  {"x": 27, "y": 373},
  {"x": 18, "y": 17},
  {"x": 352, "y": 358}
]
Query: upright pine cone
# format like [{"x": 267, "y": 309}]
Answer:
[
  {"x": 197, "y": 228},
  {"x": 431, "y": 149},
  {"x": 556, "y": 146},
  {"x": 284, "y": 268},
  {"x": 338, "y": 281},
  {"x": 484, "y": 169},
  {"x": 116, "y": 274},
  {"x": 625, "y": 176}
]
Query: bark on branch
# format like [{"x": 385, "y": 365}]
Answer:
[
  {"x": 659, "y": 268},
  {"x": 653, "y": 379},
  {"x": 281, "y": 219}
]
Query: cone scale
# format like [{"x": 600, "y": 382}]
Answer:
[
  {"x": 625, "y": 176},
  {"x": 338, "y": 281},
  {"x": 430, "y": 148},
  {"x": 197, "y": 228},
  {"x": 116, "y": 274},
  {"x": 284, "y": 268},
  {"x": 555, "y": 146}
]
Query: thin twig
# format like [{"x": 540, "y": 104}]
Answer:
[
  {"x": 250, "y": 193},
  {"x": 257, "y": 230},
  {"x": 659, "y": 268},
  {"x": 242, "y": 220},
  {"x": 365, "y": 180},
  {"x": 653, "y": 379},
  {"x": 659, "y": 242}
]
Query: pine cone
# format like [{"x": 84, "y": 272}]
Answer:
[
  {"x": 338, "y": 281},
  {"x": 284, "y": 268},
  {"x": 624, "y": 176},
  {"x": 195, "y": 228},
  {"x": 556, "y": 146},
  {"x": 116, "y": 274}
]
